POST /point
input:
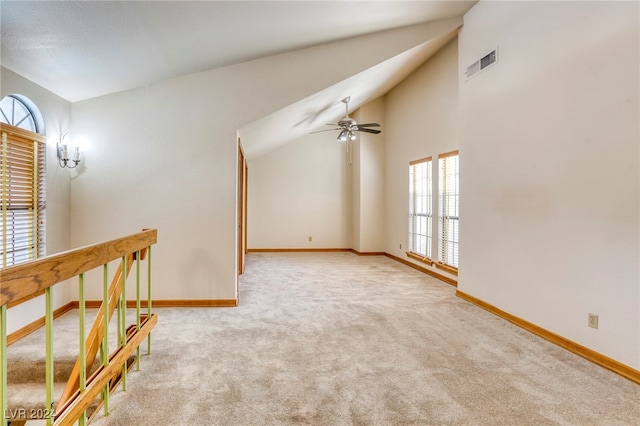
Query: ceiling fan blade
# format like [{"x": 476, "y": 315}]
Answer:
[
  {"x": 375, "y": 132},
  {"x": 325, "y": 130},
  {"x": 369, "y": 125}
]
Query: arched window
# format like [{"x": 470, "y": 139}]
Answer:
[
  {"x": 19, "y": 111},
  {"x": 22, "y": 181}
]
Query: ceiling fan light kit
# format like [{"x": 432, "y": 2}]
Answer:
[
  {"x": 346, "y": 136},
  {"x": 348, "y": 126}
]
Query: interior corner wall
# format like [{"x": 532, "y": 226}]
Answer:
[
  {"x": 301, "y": 190},
  {"x": 56, "y": 113},
  {"x": 549, "y": 160},
  {"x": 421, "y": 117},
  {"x": 368, "y": 181}
]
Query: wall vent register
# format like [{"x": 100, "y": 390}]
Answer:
[{"x": 481, "y": 64}]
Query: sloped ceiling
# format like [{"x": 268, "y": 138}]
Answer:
[
  {"x": 314, "y": 112},
  {"x": 83, "y": 49}
]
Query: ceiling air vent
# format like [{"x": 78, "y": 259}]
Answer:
[{"x": 482, "y": 63}]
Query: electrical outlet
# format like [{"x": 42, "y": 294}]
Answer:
[
  {"x": 593, "y": 321},
  {"x": 310, "y": 239}
]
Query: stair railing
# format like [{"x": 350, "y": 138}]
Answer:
[{"x": 23, "y": 282}]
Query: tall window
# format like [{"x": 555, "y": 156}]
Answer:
[
  {"x": 449, "y": 207},
  {"x": 420, "y": 205},
  {"x": 22, "y": 185}
]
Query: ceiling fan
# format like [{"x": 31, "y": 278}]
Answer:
[{"x": 348, "y": 126}]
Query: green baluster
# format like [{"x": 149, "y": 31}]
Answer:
[
  {"x": 83, "y": 350},
  {"x": 48, "y": 320},
  {"x": 138, "y": 306},
  {"x": 123, "y": 322},
  {"x": 3, "y": 361},
  {"x": 104, "y": 347},
  {"x": 149, "y": 295}
]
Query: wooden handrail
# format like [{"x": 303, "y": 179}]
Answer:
[{"x": 21, "y": 282}]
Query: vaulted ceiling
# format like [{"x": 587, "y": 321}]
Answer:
[{"x": 84, "y": 49}]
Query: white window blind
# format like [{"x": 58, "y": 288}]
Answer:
[
  {"x": 449, "y": 207},
  {"x": 22, "y": 195},
  {"x": 420, "y": 207}
]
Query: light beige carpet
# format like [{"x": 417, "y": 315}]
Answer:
[{"x": 337, "y": 339}]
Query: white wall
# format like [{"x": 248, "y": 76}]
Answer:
[
  {"x": 56, "y": 113},
  {"x": 308, "y": 188},
  {"x": 549, "y": 168},
  {"x": 368, "y": 179},
  {"x": 164, "y": 156},
  {"x": 421, "y": 119},
  {"x": 301, "y": 190}
]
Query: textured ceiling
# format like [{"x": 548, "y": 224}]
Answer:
[{"x": 85, "y": 49}]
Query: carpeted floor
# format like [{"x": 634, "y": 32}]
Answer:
[{"x": 337, "y": 339}]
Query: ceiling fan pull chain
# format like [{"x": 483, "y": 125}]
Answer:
[{"x": 349, "y": 151}]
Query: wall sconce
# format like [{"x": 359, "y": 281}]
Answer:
[{"x": 63, "y": 154}]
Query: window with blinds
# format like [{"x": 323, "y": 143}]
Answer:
[
  {"x": 22, "y": 195},
  {"x": 449, "y": 198},
  {"x": 420, "y": 207}
]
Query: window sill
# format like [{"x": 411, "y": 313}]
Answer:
[
  {"x": 450, "y": 269},
  {"x": 419, "y": 258}
]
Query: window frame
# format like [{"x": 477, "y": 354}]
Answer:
[
  {"x": 448, "y": 224},
  {"x": 32, "y": 116},
  {"x": 426, "y": 211},
  {"x": 22, "y": 195}
]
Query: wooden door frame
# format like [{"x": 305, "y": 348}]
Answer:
[
  {"x": 242, "y": 208},
  {"x": 246, "y": 208}
]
